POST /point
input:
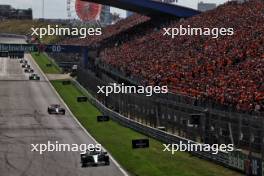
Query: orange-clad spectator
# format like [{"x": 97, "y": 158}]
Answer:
[{"x": 228, "y": 70}]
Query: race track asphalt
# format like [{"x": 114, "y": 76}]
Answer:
[{"x": 24, "y": 121}]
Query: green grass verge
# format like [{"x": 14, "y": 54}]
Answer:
[
  {"x": 42, "y": 60},
  {"x": 23, "y": 27},
  {"x": 142, "y": 162}
]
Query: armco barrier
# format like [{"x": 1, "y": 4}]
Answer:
[
  {"x": 234, "y": 160},
  {"x": 12, "y": 36},
  {"x": 174, "y": 114}
]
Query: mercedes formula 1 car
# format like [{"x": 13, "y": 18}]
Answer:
[
  {"x": 34, "y": 77},
  {"x": 28, "y": 70},
  {"x": 25, "y": 66},
  {"x": 94, "y": 158},
  {"x": 22, "y": 61},
  {"x": 56, "y": 109}
]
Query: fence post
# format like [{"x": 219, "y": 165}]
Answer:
[{"x": 85, "y": 57}]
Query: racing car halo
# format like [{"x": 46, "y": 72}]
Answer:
[
  {"x": 56, "y": 109},
  {"x": 95, "y": 158}
]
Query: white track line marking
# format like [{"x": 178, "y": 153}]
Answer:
[
  {"x": 3, "y": 64},
  {"x": 45, "y": 77}
]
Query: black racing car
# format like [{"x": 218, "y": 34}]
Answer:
[
  {"x": 34, "y": 77},
  {"x": 22, "y": 61},
  {"x": 28, "y": 70},
  {"x": 95, "y": 158},
  {"x": 25, "y": 66},
  {"x": 56, "y": 109}
]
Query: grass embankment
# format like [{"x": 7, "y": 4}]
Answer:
[
  {"x": 23, "y": 27},
  {"x": 43, "y": 61},
  {"x": 142, "y": 162}
]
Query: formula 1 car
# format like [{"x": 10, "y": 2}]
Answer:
[
  {"x": 95, "y": 158},
  {"x": 56, "y": 109},
  {"x": 23, "y": 61},
  {"x": 34, "y": 77},
  {"x": 28, "y": 70},
  {"x": 25, "y": 66}
]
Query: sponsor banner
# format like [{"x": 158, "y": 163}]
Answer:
[
  {"x": 40, "y": 47},
  {"x": 82, "y": 99},
  {"x": 140, "y": 143},
  {"x": 248, "y": 164},
  {"x": 103, "y": 118}
]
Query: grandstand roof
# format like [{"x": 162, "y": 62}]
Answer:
[{"x": 149, "y": 7}]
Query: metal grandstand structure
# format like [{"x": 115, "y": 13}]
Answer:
[{"x": 150, "y": 8}]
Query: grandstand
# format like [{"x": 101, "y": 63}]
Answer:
[
  {"x": 219, "y": 80},
  {"x": 7, "y": 12},
  {"x": 202, "y": 67},
  {"x": 190, "y": 70}
]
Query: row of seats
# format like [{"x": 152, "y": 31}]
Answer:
[{"x": 228, "y": 70}]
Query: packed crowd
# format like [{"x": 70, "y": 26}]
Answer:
[{"x": 228, "y": 70}]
